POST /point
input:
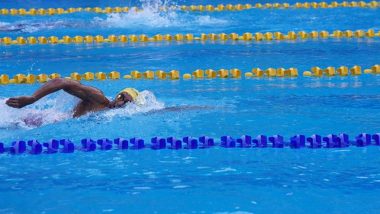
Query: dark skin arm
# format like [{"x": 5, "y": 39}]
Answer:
[{"x": 87, "y": 94}]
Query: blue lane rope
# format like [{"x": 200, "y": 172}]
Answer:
[{"x": 156, "y": 143}]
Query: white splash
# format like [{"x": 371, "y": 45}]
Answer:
[
  {"x": 43, "y": 112},
  {"x": 59, "y": 108},
  {"x": 145, "y": 102},
  {"x": 145, "y": 18},
  {"x": 156, "y": 19},
  {"x": 152, "y": 16}
]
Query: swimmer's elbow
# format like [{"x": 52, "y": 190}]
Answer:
[
  {"x": 64, "y": 84},
  {"x": 58, "y": 82}
]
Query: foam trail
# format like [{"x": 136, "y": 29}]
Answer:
[
  {"x": 151, "y": 17},
  {"x": 59, "y": 107},
  {"x": 133, "y": 20}
]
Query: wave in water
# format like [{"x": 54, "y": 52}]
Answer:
[{"x": 59, "y": 108}]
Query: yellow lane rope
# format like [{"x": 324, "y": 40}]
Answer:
[
  {"x": 194, "y": 8},
  {"x": 199, "y": 74},
  {"x": 259, "y": 36}
]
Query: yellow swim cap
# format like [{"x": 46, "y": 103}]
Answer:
[{"x": 131, "y": 91}]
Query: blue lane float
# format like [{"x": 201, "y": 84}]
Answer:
[{"x": 314, "y": 141}]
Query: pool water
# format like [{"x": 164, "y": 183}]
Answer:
[{"x": 215, "y": 180}]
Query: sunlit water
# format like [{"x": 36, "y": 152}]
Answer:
[{"x": 213, "y": 180}]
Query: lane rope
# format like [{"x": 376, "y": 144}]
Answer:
[
  {"x": 191, "y": 8},
  {"x": 223, "y": 37},
  {"x": 199, "y": 74},
  {"x": 298, "y": 141}
]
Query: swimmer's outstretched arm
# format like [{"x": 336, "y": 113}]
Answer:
[{"x": 86, "y": 93}]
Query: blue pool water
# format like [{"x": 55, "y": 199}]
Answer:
[{"x": 215, "y": 180}]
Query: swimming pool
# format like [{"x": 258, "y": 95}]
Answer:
[{"x": 214, "y": 180}]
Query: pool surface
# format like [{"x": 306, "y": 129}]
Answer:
[{"x": 213, "y": 180}]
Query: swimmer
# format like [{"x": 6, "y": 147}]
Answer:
[{"x": 92, "y": 99}]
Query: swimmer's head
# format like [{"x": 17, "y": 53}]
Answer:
[{"x": 123, "y": 97}]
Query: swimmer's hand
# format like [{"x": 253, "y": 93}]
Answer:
[{"x": 19, "y": 102}]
